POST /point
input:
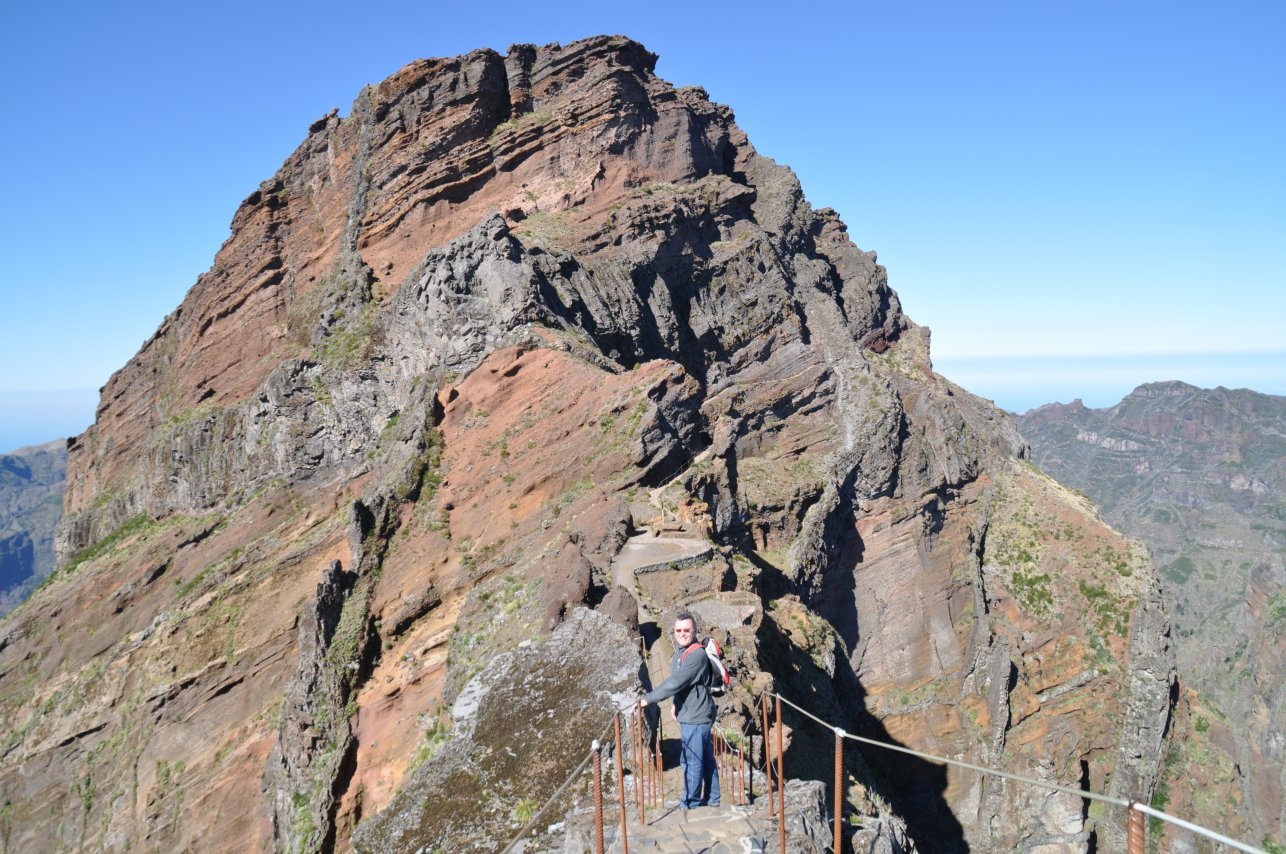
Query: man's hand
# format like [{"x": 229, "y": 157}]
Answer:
[{"x": 642, "y": 702}]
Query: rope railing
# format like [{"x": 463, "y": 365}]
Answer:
[
  {"x": 1136, "y": 809},
  {"x": 1120, "y": 802},
  {"x": 648, "y": 786}
]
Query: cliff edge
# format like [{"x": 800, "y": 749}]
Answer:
[{"x": 469, "y": 340}]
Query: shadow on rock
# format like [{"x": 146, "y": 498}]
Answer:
[{"x": 813, "y": 671}]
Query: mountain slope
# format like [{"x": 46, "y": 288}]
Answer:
[
  {"x": 1200, "y": 476},
  {"x": 31, "y": 485},
  {"x": 455, "y": 353}
]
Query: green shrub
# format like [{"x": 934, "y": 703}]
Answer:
[
  {"x": 133, "y": 525},
  {"x": 524, "y": 810},
  {"x": 435, "y": 737}
]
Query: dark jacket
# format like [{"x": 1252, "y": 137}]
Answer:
[{"x": 689, "y": 685}]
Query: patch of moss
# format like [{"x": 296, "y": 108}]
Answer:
[
  {"x": 348, "y": 345},
  {"x": 435, "y": 737},
  {"x": 192, "y": 413},
  {"x": 534, "y": 119},
  {"x": 545, "y": 227},
  {"x": 139, "y": 524},
  {"x": 1111, "y": 615},
  {"x": 1276, "y": 611},
  {"x": 349, "y": 631},
  {"x": 524, "y": 810},
  {"x": 498, "y": 615},
  {"x": 1032, "y": 589},
  {"x": 570, "y": 494}
]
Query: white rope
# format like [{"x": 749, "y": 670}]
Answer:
[
  {"x": 1120, "y": 802},
  {"x": 1081, "y": 793}
]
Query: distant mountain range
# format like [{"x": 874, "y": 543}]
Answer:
[
  {"x": 1200, "y": 477},
  {"x": 31, "y": 500}
]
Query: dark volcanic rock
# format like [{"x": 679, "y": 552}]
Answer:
[
  {"x": 452, "y": 346},
  {"x": 313, "y": 737}
]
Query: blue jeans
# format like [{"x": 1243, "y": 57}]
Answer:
[{"x": 700, "y": 776}]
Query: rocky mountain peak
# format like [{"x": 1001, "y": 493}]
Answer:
[
  {"x": 1169, "y": 388},
  {"x": 587, "y": 155},
  {"x": 469, "y": 348},
  {"x": 1054, "y": 411}
]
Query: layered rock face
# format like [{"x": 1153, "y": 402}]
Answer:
[
  {"x": 404, "y": 423},
  {"x": 31, "y": 486},
  {"x": 1199, "y": 475}
]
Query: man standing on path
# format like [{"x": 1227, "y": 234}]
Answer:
[{"x": 689, "y": 685}]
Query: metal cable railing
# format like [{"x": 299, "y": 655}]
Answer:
[
  {"x": 647, "y": 770},
  {"x": 1135, "y": 809},
  {"x": 1120, "y": 802}
]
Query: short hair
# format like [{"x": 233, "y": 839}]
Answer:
[{"x": 687, "y": 615}]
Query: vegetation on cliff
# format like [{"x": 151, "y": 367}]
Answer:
[
  {"x": 1198, "y": 475},
  {"x": 462, "y": 348}
]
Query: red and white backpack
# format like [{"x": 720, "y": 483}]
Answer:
[{"x": 720, "y": 681}]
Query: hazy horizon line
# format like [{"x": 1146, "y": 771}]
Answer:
[
  {"x": 934, "y": 356},
  {"x": 1014, "y": 383},
  {"x": 1120, "y": 354}
]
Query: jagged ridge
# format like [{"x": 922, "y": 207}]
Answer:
[{"x": 448, "y": 346}]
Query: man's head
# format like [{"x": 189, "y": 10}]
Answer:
[{"x": 685, "y": 629}]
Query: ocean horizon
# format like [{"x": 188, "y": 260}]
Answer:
[{"x": 1021, "y": 383}]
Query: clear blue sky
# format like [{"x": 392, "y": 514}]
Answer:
[{"x": 1044, "y": 181}]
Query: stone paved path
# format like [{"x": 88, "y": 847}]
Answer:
[
  {"x": 645, "y": 551},
  {"x": 710, "y": 830}
]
